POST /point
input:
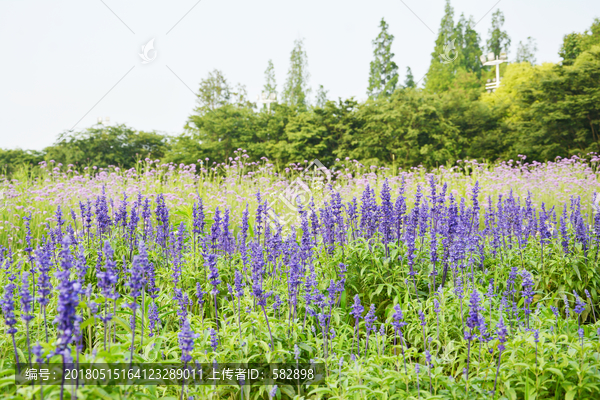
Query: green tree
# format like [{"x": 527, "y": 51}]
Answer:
[
  {"x": 409, "y": 81},
  {"x": 214, "y": 92},
  {"x": 559, "y": 113},
  {"x": 12, "y": 160},
  {"x": 571, "y": 48},
  {"x": 575, "y": 43},
  {"x": 383, "y": 75},
  {"x": 270, "y": 84},
  {"x": 442, "y": 68},
  {"x": 470, "y": 49},
  {"x": 99, "y": 145},
  {"x": 296, "y": 90},
  {"x": 526, "y": 51},
  {"x": 321, "y": 98},
  {"x": 498, "y": 41},
  {"x": 215, "y": 134},
  {"x": 408, "y": 129}
]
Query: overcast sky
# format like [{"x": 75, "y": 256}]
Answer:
[{"x": 66, "y": 63}]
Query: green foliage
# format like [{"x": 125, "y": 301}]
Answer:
[
  {"x": 526, "y": 52},
  {"x": 11, "y": 160},
  {"x": 116, "y": 145},
  {"x": 409, "y": 81},
  {"x": 440, "y": 73},
  {"x": 215, "y": 134},
  {"x": 409, "y": 129},
  {"x": 498, "y": 40},
  {"x": 557, "y": 111},
  {"x": 216, "y": 92},
  {"x": 295, "y": 90},
  {"x": 321, "y": 98},
  {"x": 467, "y": 41},
  {"x": 270, "y": 83},
  {"x": 575, "y": 43},
  {"x": 383, "y": 75}
]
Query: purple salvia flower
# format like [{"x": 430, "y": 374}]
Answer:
[
  {"x": 567, "y": 311},
  {"x": 370, "y": 318},
  {"x": 357, "y": 310},
  {"x": 214, "y": 339},
  {"x": 527, "y": 292},
  {"x": 154, "y": 319},
  {"x": 186, "y": 338},
  {"x": 8, "y": 310},
  {"x": 398, "y": 323}
]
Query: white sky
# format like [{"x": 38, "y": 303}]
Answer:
[{"x": 60, "y": 59}]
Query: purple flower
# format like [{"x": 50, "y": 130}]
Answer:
[
  {"x": 579, "y": 304},
  {"x": 527, "y": 292},
  {"x": 501, "y": 332},
  {"x": 214, "y": 340},
  {"x": 370, "y": 318},
  {"x": 8, "y": 308},
  {"x": 398, "y": 317},
  {"x": 198, "y": 217},
  {"x": 26, "y": 298},
  {"x": 38, "y": 352},
  {"x": 154, "y": 319},
  {"x": 200, "y": 293},
  {"x": 186, "y": 341},
  {"x": 567, "y": 311},
  {"x": 44, "y": 261},
  {"x": 238, "y": 284},
  {"x": 68, "y": 299},
  {"x": 136, "y": 279},
  {"x": 422, "y": 318},
  {"x": 213, "y": 275},
  {"x": 474, "y": 308},
  {"x": 357, "y": 308},
  {"x": 273, "y": 392}
]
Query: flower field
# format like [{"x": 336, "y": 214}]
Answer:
[{"x": 472, "y": 282}]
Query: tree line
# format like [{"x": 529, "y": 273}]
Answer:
[{"x": 542, "y": 111}]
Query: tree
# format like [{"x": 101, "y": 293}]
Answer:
[
  {"x": 321, "y": 96},
  {"x": 409, "y": 81},
  {"x": 99, "y": 145},
  {"x": 576, "y": 43},
  {"x": 11, "y": 160},
  {"x": 296, "y": 91},
  {"x": 558, "y": 110},
  {"x": 442, "y": 68},
  {"x": 215, "y": 92},
  {"x": 470, "y": 48},
  {"x": 526, "y": 51},
  {"x": 383, "y": 76},
  {"x": 498, "y": 41},
  {"x": 215, "y": 134},
  {"x": 270, "y": 84},
  {"x": 571, "y": 48}
]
